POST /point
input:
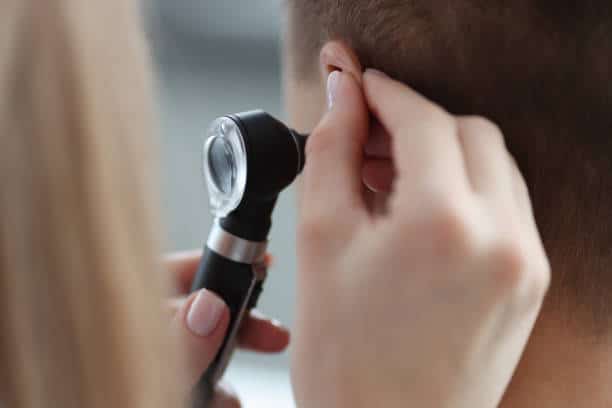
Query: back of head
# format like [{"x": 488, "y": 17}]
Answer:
[
  {"x": 540, "y": 69},
  {"x": 78, "y": 278}
]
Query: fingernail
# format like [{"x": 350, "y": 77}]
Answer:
[
  {"x": 376, "y": 72},
  {"x": 278, "y": 323},
  {"x": 332, "y": 86},
  {"x": 205, "y": 313}
]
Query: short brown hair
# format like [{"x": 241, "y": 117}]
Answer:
[{"x": 542, "y": 70}]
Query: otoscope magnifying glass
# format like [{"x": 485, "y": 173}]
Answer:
[{"x": 225, "y": 166}]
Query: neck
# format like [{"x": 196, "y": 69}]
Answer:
[{"x": 559, "y": 369}]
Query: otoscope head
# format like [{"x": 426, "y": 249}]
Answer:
[{"x": 249, "y": 158}]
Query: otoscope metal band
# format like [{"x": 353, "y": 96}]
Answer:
[{"x": 235, "y": 248}]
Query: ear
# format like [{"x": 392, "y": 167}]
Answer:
[{"x": 337, "y": 56}]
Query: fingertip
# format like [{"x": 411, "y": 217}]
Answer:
[
  {"x": 205, "y": 314},
  {"x": 343, "y": 90},
  {"x": 373, "y": 78},
  {"x": 264, "y": 335},
  {"x": 269, "y": 260},
  {"x": 347, "y": 113},
  {"x": 281, "y": 337},
  {"x": 350, "y": 93},
  {"x": 333, "y": 82},
  {"x": 374, "y": 82},
  {"x": 202, "y": 323}
]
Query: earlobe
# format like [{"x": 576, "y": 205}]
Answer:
[{"x": 337, "y": 56}]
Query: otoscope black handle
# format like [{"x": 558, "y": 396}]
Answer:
[{"x": 239, "y": 285}]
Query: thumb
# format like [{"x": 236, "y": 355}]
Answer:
[
  {"x": 332, "y": 176},
  {"x": 201, "y": 322}
]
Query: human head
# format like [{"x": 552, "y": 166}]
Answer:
[
  {"x": 78, "y": 277},
  {"x": 540, "y": 69}
]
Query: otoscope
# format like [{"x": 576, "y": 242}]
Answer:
[{"x": 248, "y": 159}]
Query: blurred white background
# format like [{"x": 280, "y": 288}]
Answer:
[{"x": 216, "y": 57}]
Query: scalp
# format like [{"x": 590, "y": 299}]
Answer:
[{"x": 540, "y": 69}]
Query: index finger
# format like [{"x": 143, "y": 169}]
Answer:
[{"x": 424, "y": 138}]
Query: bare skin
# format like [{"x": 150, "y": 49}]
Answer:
[
  {"x": 558, "y": 368},
  {"x": 258, "y": 334},
  {"x": 561, "y": 369},
  {"x": 430, "y": 303}
]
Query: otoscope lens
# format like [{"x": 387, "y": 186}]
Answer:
[
  {"x": 222, "y": 165},
  {"x": 225, "y": 166}
]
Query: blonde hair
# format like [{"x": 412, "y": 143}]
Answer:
[{"x": 80, "y": 292}]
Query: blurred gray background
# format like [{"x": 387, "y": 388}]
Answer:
[{"x": 216, "y": 57}]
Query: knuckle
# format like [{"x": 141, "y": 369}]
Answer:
[
  {"x": 439, "y": 121},
  {"x": 481, "y": 126},
  {"x": 447, "y": 219},
  {"x": 480, "y": 123},
  {"x": 510, "y": 264},
  {"x": 541, "y": 278},
  {"x": 517, "y": 274},
  {"x": 449, "y": 225}
]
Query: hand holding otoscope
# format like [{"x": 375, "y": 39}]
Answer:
[{"x": 249, "y": 158}]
